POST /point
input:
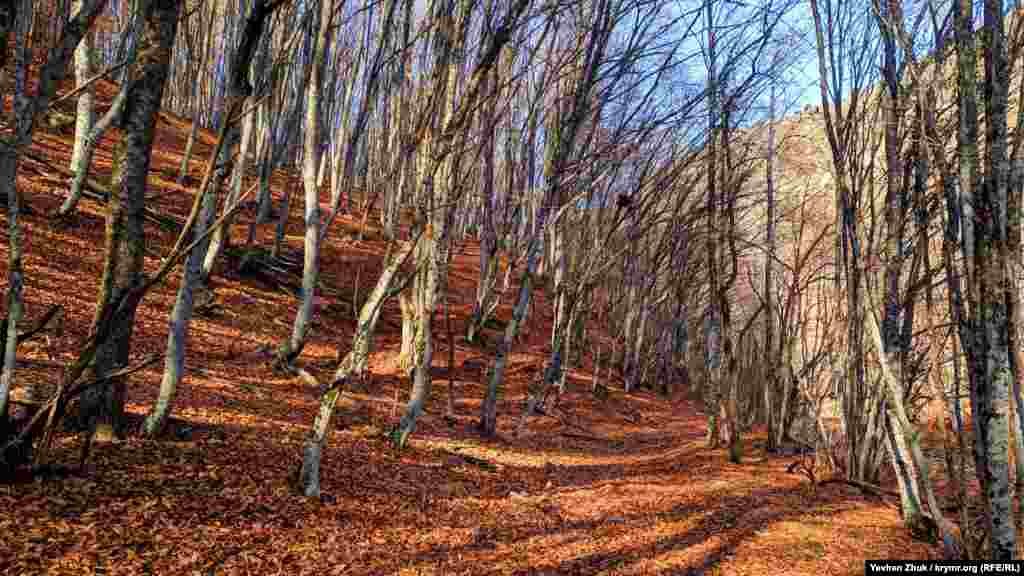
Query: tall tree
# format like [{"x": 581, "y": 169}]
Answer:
[
  {"x": 984, "y": 202},
  {"x": 847, "y": 48},
  {"x": 238, "y": 92},
  {"x": 293, "y": 345},
  {"x": 103, "y": 405},
  {"x": 27, "y": 109}
]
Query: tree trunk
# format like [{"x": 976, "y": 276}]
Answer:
[
  {"x": 771, "y": 383},
  {"x": 186, "y": 156},
  {"x": 9, "y": 186},
  {"x": 90, "y": 142},
  {"x": 85, "y": 113},
  {"x": 486, "y": 301},
  {"x": 906, "y": 447},
  {"x": 891, "y": 338},
  {"x": 353, "y": 366},
  {"x": 488, "y": 409},
  {"x": 992, "y": 259},
  {"x": 292, "y": 347},
  {"x": 181, "y": 317},
  {"x": 405, "y": 356},
  {"x": 713, "y": 320},
  {"x": 27, "y": 108},
  {"x": 424, "y": 295},
  {"x": 103, "y": 405},
  {"x": 221, "y": 237},
  {"x": 282, "y": 222},
  {"x": 15, "y": 302}
]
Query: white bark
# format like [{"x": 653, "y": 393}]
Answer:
[
  {"x": 181, "y": 317},
  {"x": 311, "y": 260},
  {"x": 352, "y": 366},
  {"x": 86, "y": 99},
  {"x": 89, "y": 143},
  {"x": 221, "y": 237},
  {"x": 425, "y": 296}
]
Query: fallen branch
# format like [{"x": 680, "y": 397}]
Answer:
[
  {"x": 479, "y": 462},
  {"x": 877, "y": 491},
  {"x": 95, "y": 191},
  {"x": 585, "y": 436},
  {"x": 40, "y": 325},
  {"x": 56, "y": 403}
]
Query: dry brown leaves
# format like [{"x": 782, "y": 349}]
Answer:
[{"x": 213, "y": 497}]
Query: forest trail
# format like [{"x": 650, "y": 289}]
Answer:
[{"x": 621, "y": 485}]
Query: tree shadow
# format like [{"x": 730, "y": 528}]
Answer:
[{"x": 733, "y": 519}]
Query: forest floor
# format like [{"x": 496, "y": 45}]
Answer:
[{"x": 620, "y": 485}]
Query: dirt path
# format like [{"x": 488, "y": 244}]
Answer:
[{"x": 648, "y": 500}]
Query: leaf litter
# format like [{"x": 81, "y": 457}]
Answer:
[{"x": 214, "y": 496}]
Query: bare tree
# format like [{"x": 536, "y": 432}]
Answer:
[
  {"x": 181, "y": 315},
  {"x": 27, "y": 110},
  {"x": 292, "y": 347},
  {"x": 846, "y": 48},
  {"x": 103, "y": 406}
]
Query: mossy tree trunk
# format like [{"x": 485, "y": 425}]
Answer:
[
  {"x": 103, "y": 405},
  {"x": 424, "y": 295},
  {"x": 713, "y": 320},
  {"x": 990, "y": 363}
]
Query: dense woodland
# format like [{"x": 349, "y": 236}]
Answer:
[{"x": 832, "y": 285}]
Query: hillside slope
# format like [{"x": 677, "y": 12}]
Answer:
[{"x": 621, "y": 485}]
